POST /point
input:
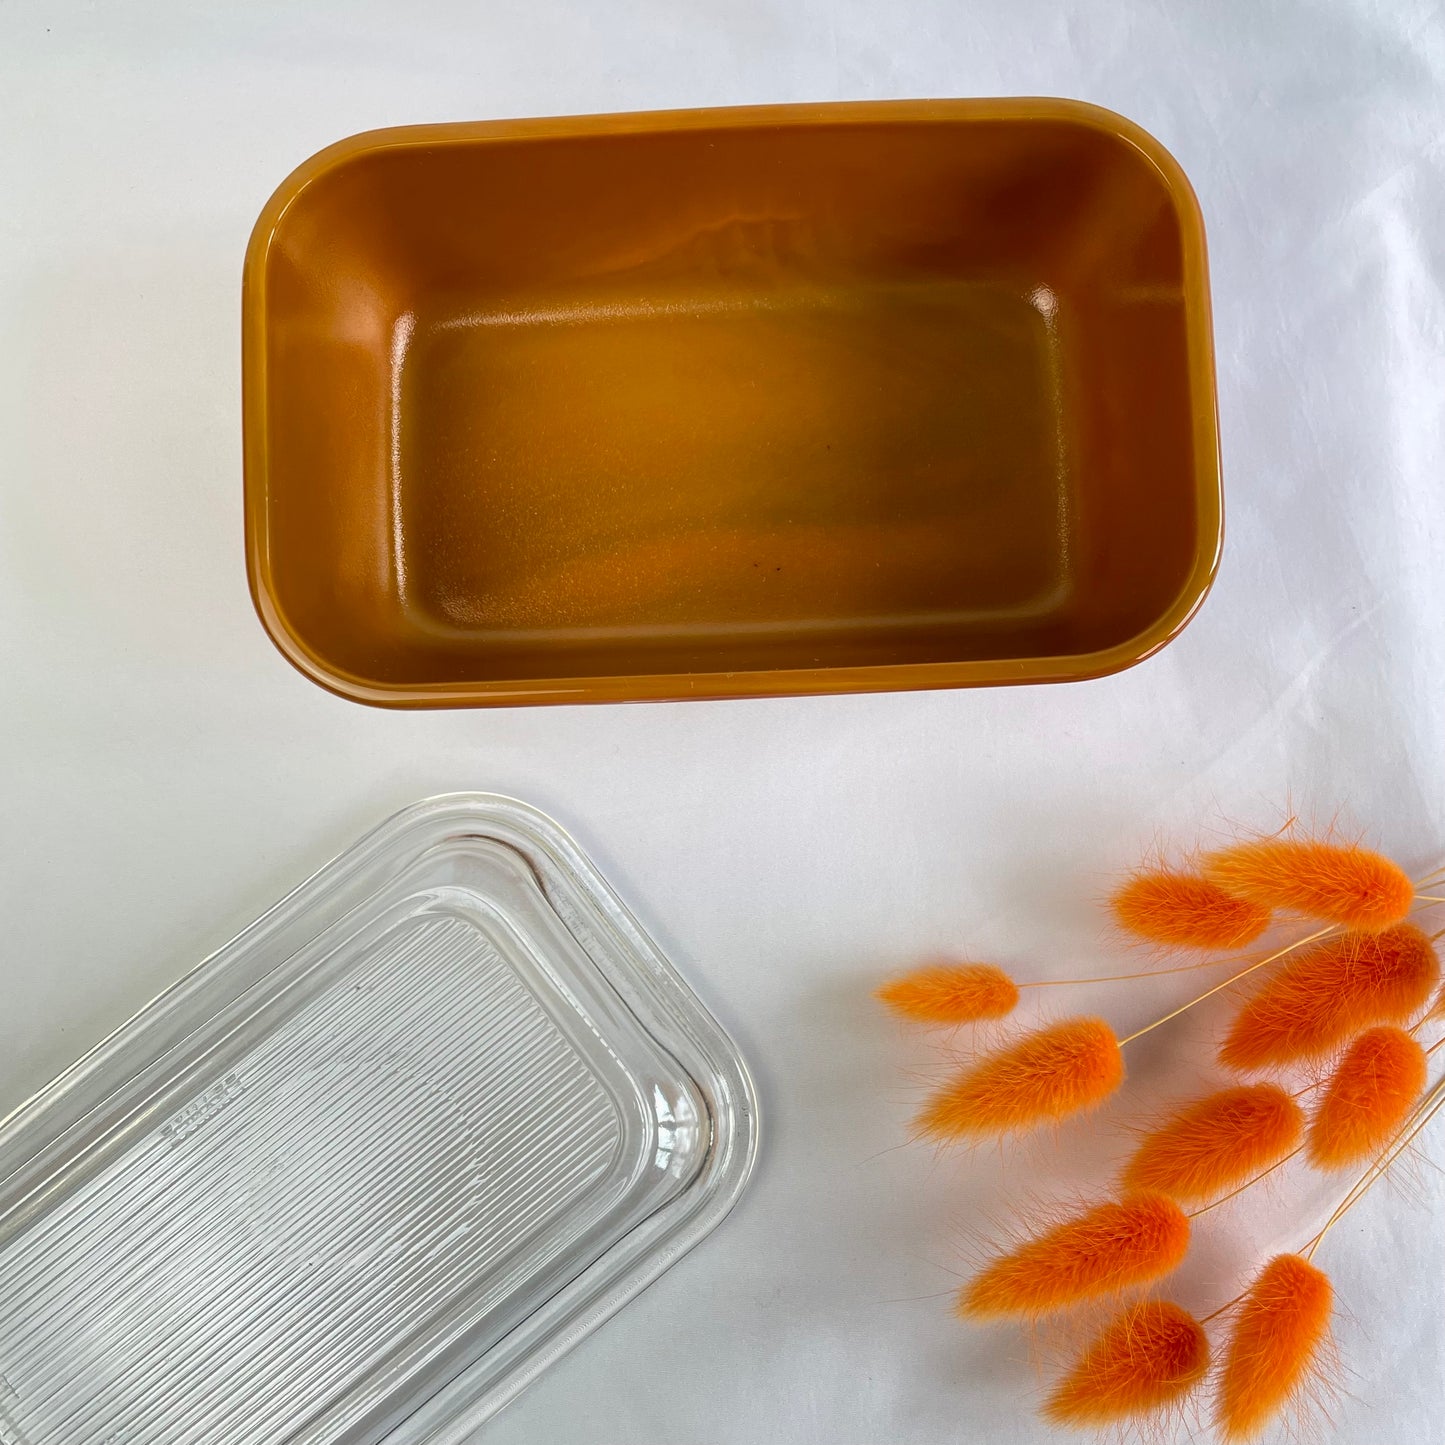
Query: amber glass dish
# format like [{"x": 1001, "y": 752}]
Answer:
[{"x": 795, "y": 399}]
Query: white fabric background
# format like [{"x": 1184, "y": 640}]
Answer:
[{"x": 167, "y": 775}]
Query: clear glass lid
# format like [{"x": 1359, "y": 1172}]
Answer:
[{"x": 371, "y": 1166}]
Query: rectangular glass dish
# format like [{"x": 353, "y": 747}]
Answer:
[
  {"x": 370, "y": 1167},
  {"x": 793, "y": 399}
]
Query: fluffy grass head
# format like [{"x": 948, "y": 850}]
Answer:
[
  {"x": 1113, "y": 1246},
  {"x": 1322, "y": 997},
  {"x": 1040, "y": 1078},
  {"x": 1147, "y": 1359},
  {"x": 1340, "y": 883},
  {"x": 1186, "y": 911},
  {"x": 951, "y": 993},
  {"x": 1274, "y": 1347},
  {"x": 1367, "y": 1098},
  {"x": 1207, "y": 1147}
]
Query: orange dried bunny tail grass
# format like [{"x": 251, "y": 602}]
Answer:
[
  {"x": 1274, "y": 1346},
  {"x": 1043, "y": 1076},
  {"x": 1319, "y": 999},
  {"x": 951, "y": 993},
  {"x": 1111, "y": 1247},
  {"x": 1218, "y": 1141},
  {"x": 1184, "y": 910},
  {"x": 1150, "y": 1356},
  {"x": 1341, "y": 883},
  {"x": 1367, "y": 1099}
]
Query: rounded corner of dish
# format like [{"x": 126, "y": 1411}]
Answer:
[
  {"x": 1165, "y": 629},
  {"x": 288, "y": 643},
  {"x": 325, "y": 162},
  {"x": 1111, "y": 122}
]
